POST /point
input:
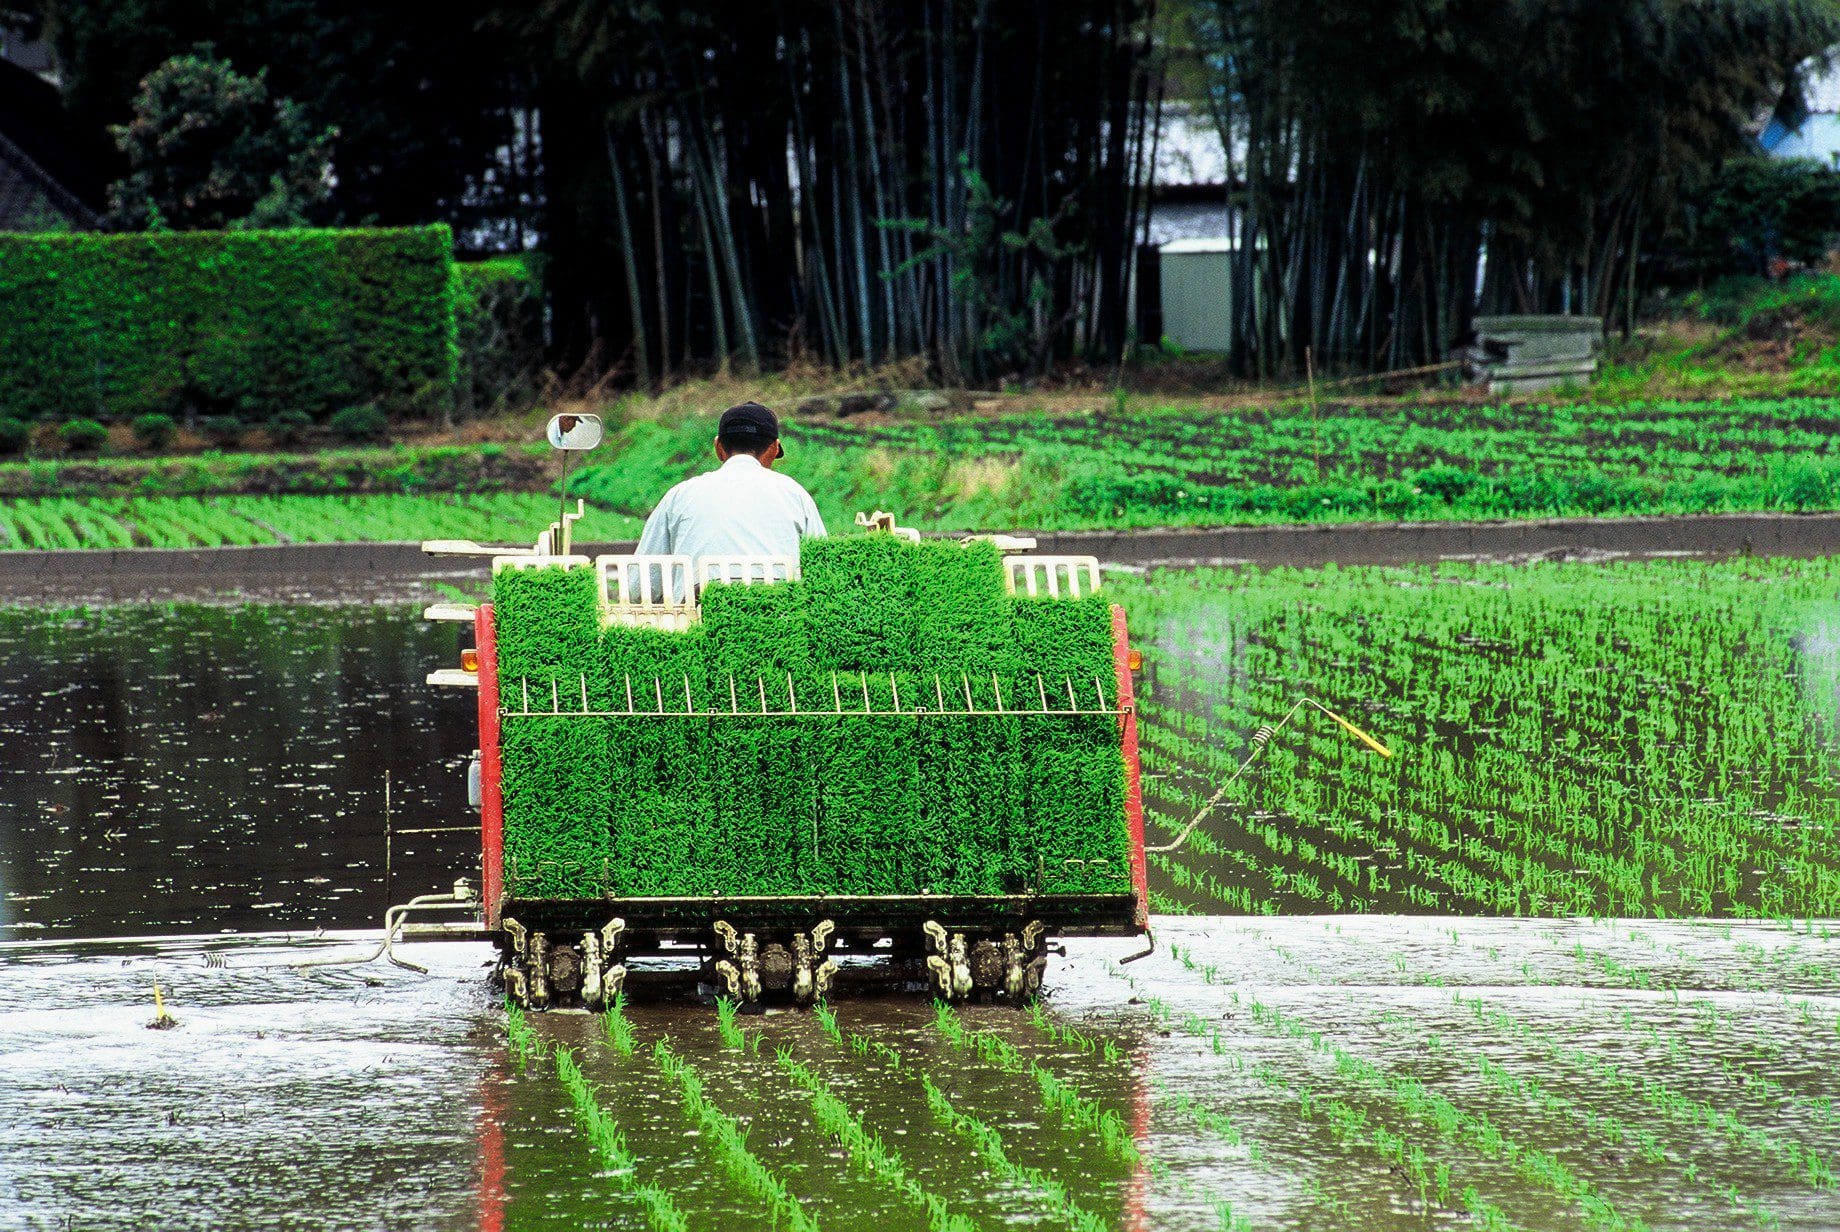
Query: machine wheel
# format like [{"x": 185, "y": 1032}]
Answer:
[{"x": 540, "y": 972}]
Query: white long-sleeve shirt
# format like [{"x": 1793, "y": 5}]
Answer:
[{"x": 739, "y": 509}]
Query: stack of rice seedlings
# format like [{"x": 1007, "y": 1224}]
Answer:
[
  {"x": 1075, "y": 775},
  {"x": 757, "y": 639},
  {"x": 556, "y": 832},
  {"x": 859, "y": 804},
  {"x": 661, "y": 815}
]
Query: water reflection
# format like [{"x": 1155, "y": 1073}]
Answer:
[{"x": 181, "y": 768}]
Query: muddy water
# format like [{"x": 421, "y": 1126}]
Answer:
[
  {"x": 374, "y": 1097},
  {"x": 1308, "y": 1073},
  {"x": 192, "y": 769}
]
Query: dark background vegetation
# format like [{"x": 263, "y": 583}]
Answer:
[{"x": 963, "y": 182}]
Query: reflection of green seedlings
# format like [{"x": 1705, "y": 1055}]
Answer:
[
  {"x": 1056, "y": 1096},
  {"x": 866, "y": 1150},
  {"x": 607, "y": 1140},
  {"x": 730, "y": 1142},
  {"x": 618, "y": 1026}
]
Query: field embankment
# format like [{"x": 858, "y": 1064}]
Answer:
[{"x": 1056, "y": 466}]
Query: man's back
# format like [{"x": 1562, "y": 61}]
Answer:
[{"x": 739, "y": 509}]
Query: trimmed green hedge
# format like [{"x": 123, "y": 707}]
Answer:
[
  {"x": 244, "y": 323},
  {"x": 871, "y": 805}
]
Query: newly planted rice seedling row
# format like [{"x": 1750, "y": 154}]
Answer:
[
  {"x": 1591, "y": 1070},
  {"x": 729, "y": 1140},
  {"x": 1798, "y": 1160},
  {"x": 1630, "y": 739},
  {"x": 988, "y": 1144},
  {"x": 1413, "y": 1100},
  {"x": 1056, "y": 1095},
  {"x": 660, "y": 1208},
  {"x": 866, "y": 1149}
]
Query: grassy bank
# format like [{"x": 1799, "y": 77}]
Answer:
[
  {"x": 1739, "y": 337},
  {"x": 1200, "y": 466}
]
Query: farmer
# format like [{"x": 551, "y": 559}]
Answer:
[{"x": 741, "y": 508}]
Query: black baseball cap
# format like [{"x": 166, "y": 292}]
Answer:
[{"x": 749, "y": 423}]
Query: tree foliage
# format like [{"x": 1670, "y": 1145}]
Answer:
[
  {"x": 1381, "y": 150},
  {"x": 1754, "y": 209},
  {"x": 860, "y": 181},
  {"x": 210, "y": 149},
  {"x": 849, "y": 179},
  {"x": 426, "y": 103}
]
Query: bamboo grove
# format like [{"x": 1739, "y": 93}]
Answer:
[
  {"x": 856, "y": 181},
  {"x": 1395, "y": 167},
  {"x": 966, "y": 183}
]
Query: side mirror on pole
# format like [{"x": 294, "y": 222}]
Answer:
[{"x": 574, "y": 432}]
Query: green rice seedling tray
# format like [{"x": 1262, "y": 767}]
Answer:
[{"x": 893, "y": 723}]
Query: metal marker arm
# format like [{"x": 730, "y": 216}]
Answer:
[{"x": 1260, "y": 739}]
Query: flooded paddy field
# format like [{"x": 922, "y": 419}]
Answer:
[
  {"x": 1324, "y": 1073},
  {"x": 1425, "y": 1052}
]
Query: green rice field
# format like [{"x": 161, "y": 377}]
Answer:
[
  {"x": 1127, "y": 466},
  {"x": 212, "y": 521},
  {"x": 1136, "y": 466},
  {"x": 1641, "y": 739},
  {"x": 1566, "y": 960}
]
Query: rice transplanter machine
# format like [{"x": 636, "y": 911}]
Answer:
[{"x": 584, "y": 944}]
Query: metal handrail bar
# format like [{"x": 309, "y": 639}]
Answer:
[{"x": 767, "y": 709}]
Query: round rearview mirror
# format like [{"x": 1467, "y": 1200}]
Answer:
[{"x": 575, "y": 431}]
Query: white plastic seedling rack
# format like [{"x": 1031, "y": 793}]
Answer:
[
  {"x": 1056, "y": 576},
  {"x": 657, "y": 592},
  {"x": 502, "y": 563},
  {"x": 746, "y": 570},
  {"x": 663, "y": 591}
]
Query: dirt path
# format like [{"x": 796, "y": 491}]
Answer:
[{"x": 398, "y": 572}]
